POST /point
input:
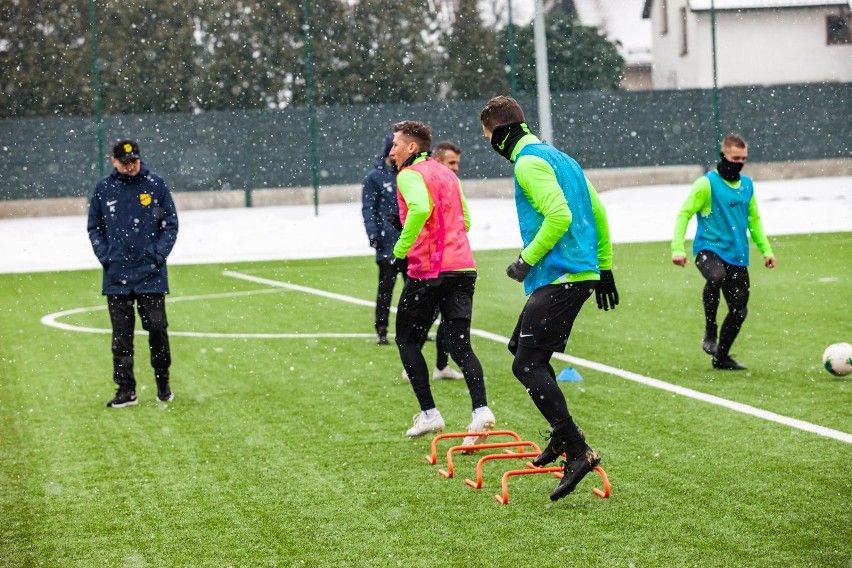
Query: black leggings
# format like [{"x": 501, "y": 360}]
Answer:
[
  {"x": 453, "y": 295},
  {"x": 387, "y": 281},
  {"x": 733, "y": 282},
  {"x": 533, "y": 369},
  {"x": 457, "y": 333}
]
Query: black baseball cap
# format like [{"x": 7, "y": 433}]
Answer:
[{"x": 125, "y": 150}]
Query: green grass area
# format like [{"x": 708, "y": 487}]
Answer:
[{"x": 291, "y": 452}]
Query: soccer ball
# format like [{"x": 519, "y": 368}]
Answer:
[{"x": 837, "y": 359}]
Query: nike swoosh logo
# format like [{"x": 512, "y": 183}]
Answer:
[
  {"x": 502, "y": 145},
  {"x": 526, "y": 335},
  {"x": 111, "y": 203}
]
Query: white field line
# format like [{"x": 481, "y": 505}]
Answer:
[
  {"x": 51, "y": 320},
  {"x": 630, "y": 376}
]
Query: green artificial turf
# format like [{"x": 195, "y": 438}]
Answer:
[{"x": 291, "y": 451}]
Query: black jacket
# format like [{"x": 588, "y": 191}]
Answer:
[
  {"x": 378, "y": 200},
  {"x": 133, "y": 226}
]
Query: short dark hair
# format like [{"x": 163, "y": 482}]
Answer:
[
  {"x": 734, "y": 140},
  {"x": 445, "y": 146},
  {"x": 419, "y": 132},
  {"x": 501, "y": 110}
]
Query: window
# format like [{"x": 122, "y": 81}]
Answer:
[
  {"x": 683, "y": 44},
  {"x": 664, "y": 19},
  {"x": 837, "y": 30}
]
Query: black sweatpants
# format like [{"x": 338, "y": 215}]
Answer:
[
  {"x": 452, "y": 293},
  {"x": 732, "y": 282},
  {"x": 152, "y": 311},
  {"x": 387, "y": 281}
]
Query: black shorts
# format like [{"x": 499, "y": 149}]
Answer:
[
  {"x": 452, "y": 293},
  {"x": 548, "y": 316}
]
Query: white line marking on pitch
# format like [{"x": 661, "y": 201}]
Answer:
[
  {"x": 630, "y": 376},
  {"x": 50, "y": 320}
]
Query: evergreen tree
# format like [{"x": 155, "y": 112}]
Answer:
[
  {"x": 578, "y": 58},
  {"x": 248, "y": 54},
  {"x": 380, "y": 51},
  {"x": 251, "y": 54},
  {"x": 45, "y": 58},
  {"x": 145, "y": 56},
  {"x": 475, "y": 58}
]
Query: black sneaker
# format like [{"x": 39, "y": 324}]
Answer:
[
  {"x": 382, "y": 339},
  {"x": 727, "y": 364},
  {"x": 123, "y": 398},
  {"x": 164, "y": 393},
  {"x": 553, "y": 450},
  {"x": 550, "y": 454},
  {"x": 709, "y": 343},
  {"x": 575, "y": 470}
]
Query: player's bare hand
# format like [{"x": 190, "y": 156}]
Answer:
[
  {"x": 769, "y": 262},
  {"x": 679, "y": 260}
]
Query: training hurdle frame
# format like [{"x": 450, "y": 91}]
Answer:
[
  {"x": 449, "y": 471},
  {"x": 433, "y": 458},
  {"x": 508, "y": 453}
]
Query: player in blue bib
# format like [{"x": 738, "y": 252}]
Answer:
[{"x": 726, "y": 207}]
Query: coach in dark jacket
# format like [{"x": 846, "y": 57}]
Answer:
[
  {"x": 133, "y": 226},
  {"x": 378, "y": 207}
]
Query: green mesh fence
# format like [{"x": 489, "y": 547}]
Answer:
[{"x": 57, "y": 156}]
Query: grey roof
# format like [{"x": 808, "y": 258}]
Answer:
[{"x": 703, "y": 5}]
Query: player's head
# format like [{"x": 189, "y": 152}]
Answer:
[
  {"x": 410, "y": 138},
  {"x": 448, "y": 153},
  {"x": 734, "y": 148},
  {"x": 500, "y": 111},
  {"x": 386, "y": 145},
  {"x": 126, "y": 157}
]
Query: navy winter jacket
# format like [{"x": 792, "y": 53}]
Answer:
[
  {"x": 378, "y": 200},
  {"x": 133, "y": 226}
]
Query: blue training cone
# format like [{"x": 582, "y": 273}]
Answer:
[{"x": 569, "y": 375}]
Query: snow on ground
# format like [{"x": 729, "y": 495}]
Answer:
[{"x": 636, "y": 214}]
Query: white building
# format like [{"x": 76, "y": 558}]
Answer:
[
  {"x": 622, "y": 23},
  {"x": 758, "y": 42}
]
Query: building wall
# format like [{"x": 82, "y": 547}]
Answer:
[
  {"x": 637, "y": 78},
  {"x": 754, "y": 47}
]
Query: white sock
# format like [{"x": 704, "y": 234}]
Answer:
[
  {"x": 480, "y": 409},
  {"x": 430, "y": 413}
]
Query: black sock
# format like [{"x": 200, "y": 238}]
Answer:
[{"x": 573, "y": 442}]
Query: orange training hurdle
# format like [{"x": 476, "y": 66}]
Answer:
[
  {"x": 449, "y": 471},
  {"x": 433, "y": 459},
  {"x": 503, "y": 498},
  {"x": 478, "y": 483}
]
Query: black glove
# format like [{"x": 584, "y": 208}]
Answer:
[
  {"x": 518, "y": 270},
  {"x": 375, "y": 243},
  {"x": 605, "y": 292},
  {"x": 393, "y": 219},
  {"x": 395, "y": 262}
]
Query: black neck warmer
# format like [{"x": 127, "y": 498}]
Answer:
[
  {"x": 729, "y": 171},
  {"x": 504, "y": 138},
  {"x": 413, "y": 157}
]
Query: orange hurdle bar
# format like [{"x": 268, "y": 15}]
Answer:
[
  {"x": 504, "y": 498},
  {"x": 433, "y": 459},
  {"x": 602, "y": 494},
  {"x": 605, "y": 493},
  {"x": 478, "y": 483},
  {"x": 449, "y": 471},
  {"x": 557, "y": 471}
]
